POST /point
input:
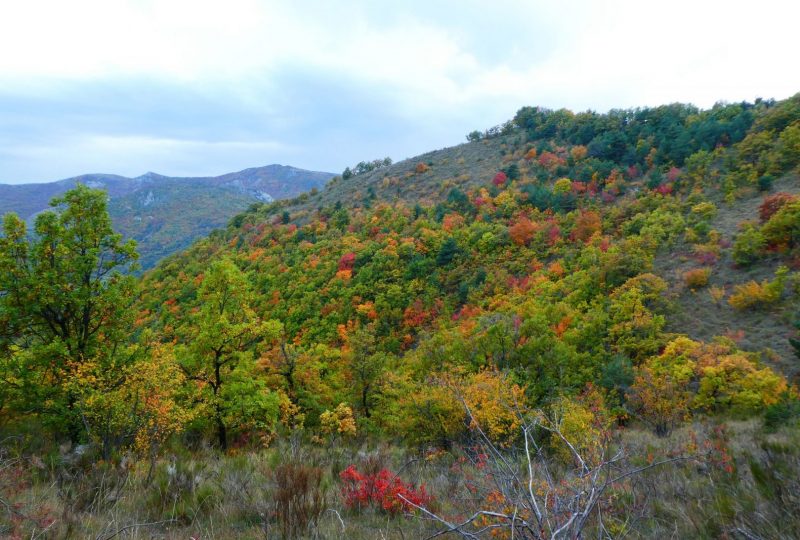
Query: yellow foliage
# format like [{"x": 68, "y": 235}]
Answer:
[
  {"x": 752, "y": 295},
  {"x": 697, "y": 277},
  {"x": 339, "y": 421},
  {"x": 562, "y": 185},
  {"x": 495, "y": 405},
  {"x": 584, "y": 422}
]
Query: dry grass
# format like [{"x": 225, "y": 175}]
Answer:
[{"x": 748, "y": 484}]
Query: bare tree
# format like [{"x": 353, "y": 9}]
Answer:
[{"x": 530, "y": 495}]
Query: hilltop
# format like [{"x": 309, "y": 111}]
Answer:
[{"x": 165, "y": 214}]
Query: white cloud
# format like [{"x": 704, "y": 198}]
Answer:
[{"x": 433, "y": 67}]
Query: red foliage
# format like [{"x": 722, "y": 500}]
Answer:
[
  {"x": 664, "y": 189},
  {"x": 499, "y": 179},
  {"x": 383, "y": 489},
  {"x": 522, "y": 231},
  {"x": 673, "y": 174},
  {"x": 607, "y": 197},
  {"x": 416, "y": 315},
  {"x": 347, "y": 261},
  {"x": 549, "y": 160},
  {"x": 707, "y": 258},
  {"x": 772, "y": 204},
  {"x": 578, "y": 187}
]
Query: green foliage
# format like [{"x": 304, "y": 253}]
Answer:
[
  {"x": 218, "y": 355},
  {"x": 65, "y": 304},
  {"x": 749, "y": 245}
]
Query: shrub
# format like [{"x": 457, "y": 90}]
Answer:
[
  {"x": 697, "y": 277},
  {"x": 299, "y": 498},
  {"x": 783, "y": 412},
  {"x": 749, "y": 296},
  {"x": 749, "y": 245},
  {"x": 783, "y": 228},
  {"x": 421, "y": 168},
  {"x": 753, "y": 295},
  {"x": 339, "y": 421},
  {"x": 382, "y": 490},
  {"x": 772, "y": 204},
  {"x": 765, "y": 182}
]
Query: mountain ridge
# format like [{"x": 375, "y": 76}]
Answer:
[{"x": 164, "y": 213}]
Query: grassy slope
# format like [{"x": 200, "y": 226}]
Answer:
[{"x": 701, "y": 318}]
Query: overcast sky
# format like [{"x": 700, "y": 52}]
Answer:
[{"x": 195, "y": 87}]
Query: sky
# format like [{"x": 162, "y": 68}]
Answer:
[{"x": 200, "y": 87}]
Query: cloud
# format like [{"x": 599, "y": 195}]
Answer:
[{"x": 326, "y": 84}]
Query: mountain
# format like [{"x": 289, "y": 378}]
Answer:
[{"x": 165, "y": 214}]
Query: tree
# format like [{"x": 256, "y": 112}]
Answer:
[
  {"x": 219, "y": 358},
  {"x": 366, "y": 366},
  {"x": 447, "y": 252},
  {"x": 65, "y": 302},
  {"x": 522, "y": 230}
]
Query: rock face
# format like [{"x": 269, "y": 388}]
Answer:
[{"x": 165, "y": 214}]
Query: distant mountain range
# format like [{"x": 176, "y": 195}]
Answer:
[{"x": 165, "y": 214}]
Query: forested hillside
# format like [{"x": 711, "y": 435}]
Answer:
[{"x": 573, "y": 324}]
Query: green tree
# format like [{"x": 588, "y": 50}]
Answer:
[
  {"x": 65, "y": 302},
  {"x": 447, "y": 252},
  {"x": 366, "y": 366},
  {"x": 219, "y": 356}
]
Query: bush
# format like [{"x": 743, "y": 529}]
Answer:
[
  {"x": 299, "y": 498},
  {"x": 783, "y": 228},
  {"x": 765, "y": 182},
  {"x": 782, "y": 413},
  {"x": 749, "y": 245},
  {"x": 383, "y": 490},
  {"x": 697, "y": 277},
  {"x": 772, "y": 204},
  {"x": 753, "y": 295}
]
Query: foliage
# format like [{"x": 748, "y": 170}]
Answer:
[
  {"x": 697, "y": 277},
  {"x": 753, "y": 295},
  {"x": 382, "y": 490},
  {"x": 65, "y": 306},
  {"x": 749, "y": 245},
  {"x": 217, "y": 359},
  {"x": 339, "y": 421}
]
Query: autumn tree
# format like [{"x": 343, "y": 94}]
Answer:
[
  {"x": 522, "y": 230},
  {"x": 65, "y": 304},
  {"x": 219, "y": 359}
]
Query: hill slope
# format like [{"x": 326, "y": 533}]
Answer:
[{"x": 165, "y": 214}]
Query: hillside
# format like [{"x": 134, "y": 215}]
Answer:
[
  {"x": 573, "y": 325},
  {"x": 165, "y": 214}
]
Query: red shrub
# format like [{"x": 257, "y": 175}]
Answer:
[
  {"x": 382, "y": 489},
  {"x": 499, "y": 179},
  {"x": 772, "y": 204}
]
